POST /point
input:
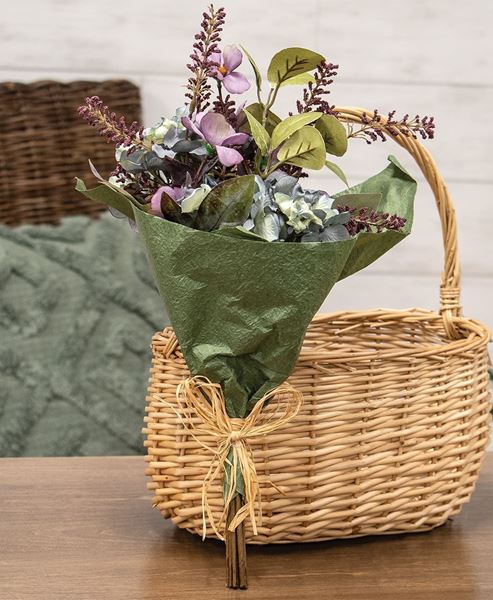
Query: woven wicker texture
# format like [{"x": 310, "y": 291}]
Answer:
[
  {"x": 393, "y": 429},
  {"x": 45, "y": 144}
]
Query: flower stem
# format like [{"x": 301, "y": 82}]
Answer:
[
  {"x": 236, "y": 566},
  {"x": 271, "y": 98}
]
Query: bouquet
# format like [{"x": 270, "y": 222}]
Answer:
[{"x": 242, "y": 250}]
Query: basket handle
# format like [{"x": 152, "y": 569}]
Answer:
[{"x": 450, "y": 307}]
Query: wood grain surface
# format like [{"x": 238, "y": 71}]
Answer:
[{"x": 84, "y": 528}]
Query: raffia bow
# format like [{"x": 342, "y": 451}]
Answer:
[{"x": 197, "y": 396}]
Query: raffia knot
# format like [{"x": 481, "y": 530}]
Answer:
[
  {"x": 235, "y": 437},
  {"x": 199, "y": 397}
]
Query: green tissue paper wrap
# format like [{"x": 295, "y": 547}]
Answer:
[{"x": 240, "y": 307}]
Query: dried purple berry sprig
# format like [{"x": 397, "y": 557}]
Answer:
[
  {"x": 313, "y": 95},
  {"x": 205, "y": 45},
  {"x": 140, "y": 186},
  {"x": 376, "y": 127},
  {"x": 109, "y": 125},
  {"x": 367, "y": 219}
]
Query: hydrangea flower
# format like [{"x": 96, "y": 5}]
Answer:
[
  {"x": 264, "y": 220},
  {"x": 166, "y": 134},
  {"x": 298, "y": 212},
  {"x": 283, "y": 211},
  {"x": 310, "y": 213},
  {"x": 229, "y": 60},
  {"x": 333, "y": 230},
  {"x": 216, "y": 131}
]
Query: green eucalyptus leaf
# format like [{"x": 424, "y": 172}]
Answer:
[
  {"x": 334, "y": 134},
  {"x": 133, "y": 162},
  {"x": 305, "y": 148},
  {"x": 291, "y": 62},
  {"x": 226, "y": 205},
  {"x": 259, "y": 133},
  {"x": 256, "y": 70},
  {"x": 109, "y": 195},
  {"x": 120, "y": 191},
  {"x": 152, "y": 162},
  {"x": 286, "y": 128},
  {"x": 301, "y": 79},
  {"x": 336, "y": 169},
  {"x": 257, "y": 110}
]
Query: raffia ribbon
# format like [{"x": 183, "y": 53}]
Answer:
[{"x": 199, "y": 396}]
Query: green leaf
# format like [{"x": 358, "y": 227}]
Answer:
[
  {"x": 226, "y": 205},
  {"x": 257, "y": 110},
  {"x": 259, "y": 132},
  {"x": 334, "y": 134},
  {"x": 352, "y": 200},
  {"x": 305, "y": 149},
  {"x": 105, "y": 194},
  {"x": 120, "y": 191},
  {"x": 133, "y": 162},
  {"x": 291, "y": 62},
  {"x": 301, "y": 79},
  {"x": 227, "y": 483},
  {"x": 170, "y": 209},
  {"x": 258, "y": 76},
  {"x": 336, "y": 169},
  {"x": 286, "y": 128}
]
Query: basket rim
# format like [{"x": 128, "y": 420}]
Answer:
[{"x": 475, "y": 335}]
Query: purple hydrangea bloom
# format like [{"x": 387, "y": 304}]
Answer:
[
  {"x": 229, "y": 60},
  {"x": 216, "y": 131}
]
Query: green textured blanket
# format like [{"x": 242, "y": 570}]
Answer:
[{"x": 78, "y": 308}]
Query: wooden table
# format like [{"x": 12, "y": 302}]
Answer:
[{"x": 84, "y": 528}]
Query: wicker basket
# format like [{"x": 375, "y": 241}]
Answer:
[
  {"x": 45, "y": 144},
  {"x": 393, "y": 429}
]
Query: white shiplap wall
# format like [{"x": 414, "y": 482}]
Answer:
[{"x": 426, "y": 56}]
